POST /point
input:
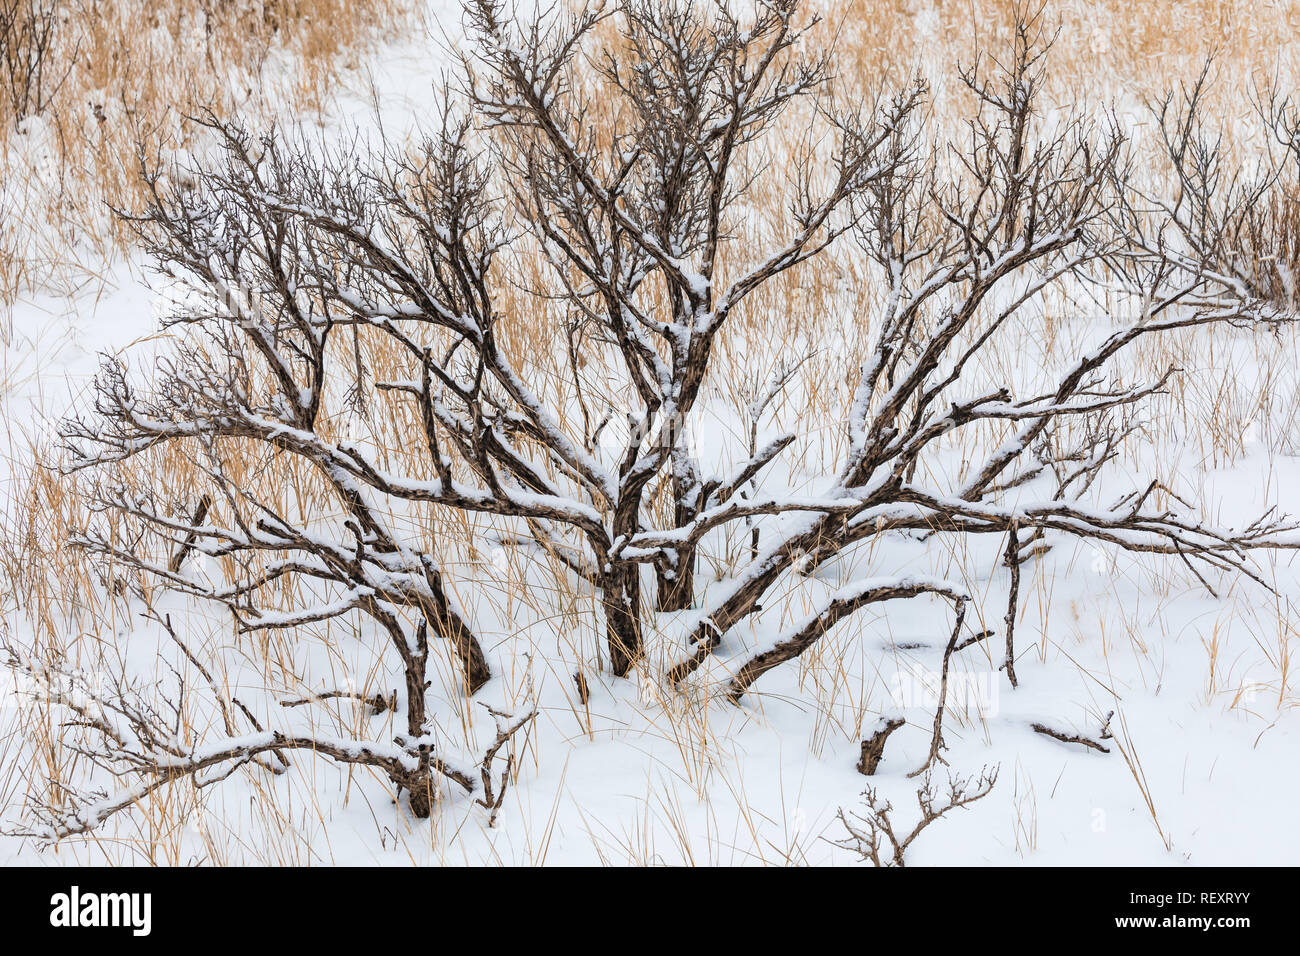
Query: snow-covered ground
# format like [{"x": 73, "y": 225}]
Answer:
[{"x": 1205, "y": 731}]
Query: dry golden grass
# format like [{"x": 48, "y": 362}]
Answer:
[
  {"x": 1102, "y": 45},
  {"x": 126, "y": 74}
]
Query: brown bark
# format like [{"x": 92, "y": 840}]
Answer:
[
  {"x": 621, "y": 591},
  {"x": 677, "y": 592},
  {"x": 873, "y": 748},
  {"x": 1012, "y": 561},
  {"x": 419, "y": 788},
  {"x": 474, "y": 667}
]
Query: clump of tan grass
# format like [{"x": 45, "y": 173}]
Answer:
[{"x": 123, "y": 75}]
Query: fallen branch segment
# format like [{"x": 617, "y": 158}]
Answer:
[
  {"x": 873, "y": 748},
  {"x": 1069, "y": 738}
]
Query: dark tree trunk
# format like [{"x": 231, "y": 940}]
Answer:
[
  {"x": 419, "y": 782},
  {"x": 677, "y": 587},
  {"x": 473, "y": 663},
  {"x": 448, "y": 624},
  {"x": 676, "y": 591},
  {"x": 621, "y": 590},
  {"x": 419, "y": 788}
]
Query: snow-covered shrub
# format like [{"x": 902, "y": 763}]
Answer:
[{"x": 516, "y": 322}]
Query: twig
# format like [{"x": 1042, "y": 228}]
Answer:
[
  {"x": 936, "y": 740},
  {"x": 1073, "y": 738}
]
